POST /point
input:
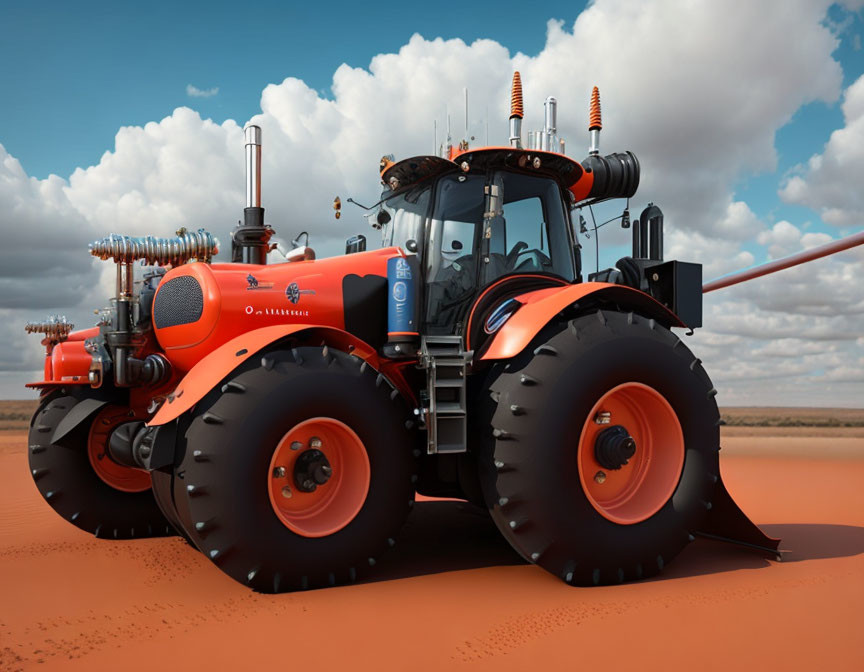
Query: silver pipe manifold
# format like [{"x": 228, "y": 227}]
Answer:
[
  {"x": 56, "y": 328},
  {"x": 199, "y": 245}
]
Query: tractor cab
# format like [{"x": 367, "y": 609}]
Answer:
[{"x": 490, "y": 220}]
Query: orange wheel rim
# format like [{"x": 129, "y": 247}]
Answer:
[
  {"x": 641, "y": 487},
  {"x": 333, "y": 504},
  {"x": 119, "y": 477}
]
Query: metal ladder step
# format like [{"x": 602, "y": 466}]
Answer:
[{"x": 445, "y": 361}]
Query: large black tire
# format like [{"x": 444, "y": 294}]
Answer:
[
  {"x": 68, "y": 482},
  {"x": 163, "y": 484},
  {"x": 221, "y": 482},
  {"x": 529, "y": 466}
]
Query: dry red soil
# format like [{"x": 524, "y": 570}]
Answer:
[{"x": 452, "y": 595}]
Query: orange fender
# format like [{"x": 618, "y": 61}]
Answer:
[
  {"x": 541, "y": 306},
  {"x": 210, "y": 370}
]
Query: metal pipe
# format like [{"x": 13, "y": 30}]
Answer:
[
  {"x": 516, "y": 132},
  {"x": 643, "y": 238},
  {"x": 655, "y": 245},
  {"x": 253, "y": 166},
  {"x": 551, "y": 116},
  {"x": 787, "y": 262},
  {"x": 594, "y": 139},
  {"x": 516, "y": 113},
  {"x": 637, "y": 239}
]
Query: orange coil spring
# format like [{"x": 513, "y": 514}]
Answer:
[
  {"x": 594, "y": 120},
  {"x": 516, "y": 109}
]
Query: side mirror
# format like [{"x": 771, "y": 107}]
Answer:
[
  {"x": 456, "y": 245},
  {"x": 355, "y": 244},
  {"x": 411, "y": 246}
]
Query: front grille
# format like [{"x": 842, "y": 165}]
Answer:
[{"x": 178, "y": 301}]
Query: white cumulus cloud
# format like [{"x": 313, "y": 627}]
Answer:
[
  {"x": 833, "y": 182},
  {"x": 696, "y": 90},
  {"x": 195, "y": 92}
]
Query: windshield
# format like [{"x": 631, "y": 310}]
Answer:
[
  {"x": 487, "y": 226},
  {"x": 407, "y": 213}
]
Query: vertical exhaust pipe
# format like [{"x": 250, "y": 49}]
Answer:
[
  {"x": 550, "y": 125},
  {"x": 250, "y": 240},
  {"x": 595, "y": 123},
  {"x": 516, "y": 112},
  {"x": 253, "y": 167}
]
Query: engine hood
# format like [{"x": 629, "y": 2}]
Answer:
[{"x": 200, "y": 306}]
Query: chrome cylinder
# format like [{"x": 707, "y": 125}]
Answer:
[
  {"x": 551, "y": 116},
  {"x": 253, "y": 166},
  {"x": 594, "y": 137},
  {"x": 125, "y": 280},
  {"x": 516, "y": 132}
]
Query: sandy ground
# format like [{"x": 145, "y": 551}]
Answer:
[{"x": 452, "y": 596}]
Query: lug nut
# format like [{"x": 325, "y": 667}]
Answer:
[
  {"x": 296, "y": 445},
  {"x": 314, "y": 442},
  {"x": 603, "y": 418},
  {"x": 287, "y": 493},
  {"x": 279, "y": 472},
  {"x": 600, "y": 477},
  {"x": 327, "y": 470},
  {"x": 309, "y": 485}
]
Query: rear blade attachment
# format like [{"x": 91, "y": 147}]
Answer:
[{"x": 727, "y": 522}]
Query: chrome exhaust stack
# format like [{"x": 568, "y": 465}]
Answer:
[{"x": 250, "y": 240}]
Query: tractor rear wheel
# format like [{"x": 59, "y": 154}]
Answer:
[
  {"x": 82, "y": 483},
  {"x": 298, "y": 472},
  {"x": 603, "y": 455}
]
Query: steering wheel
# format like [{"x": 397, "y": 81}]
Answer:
[{"x": 512, "y": 254}]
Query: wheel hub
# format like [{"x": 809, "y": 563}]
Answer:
[
  {"x": 614, "y": 447},
  {"x": 311, "y": 469},
  {"x": 628, "y": 471},
  {"x": 319, "y": 477}
]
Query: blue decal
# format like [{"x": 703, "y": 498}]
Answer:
[{"x": 400, "y": 303}]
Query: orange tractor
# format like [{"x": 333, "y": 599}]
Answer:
[{"x": 282, "y": 416}]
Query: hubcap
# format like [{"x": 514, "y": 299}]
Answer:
[
  {"x": 319, "y": 477},
  {"x": 629, "y": 470},
  {"x": 312, "y": 469}
]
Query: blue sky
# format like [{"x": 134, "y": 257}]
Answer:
[
  {"x": 100, "y": 88},
  {"x": 97, "y": 66}
]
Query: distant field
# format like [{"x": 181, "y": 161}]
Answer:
[
  {"x": 16, "y": 414},
  {"x": 757, "y": 416},
  {"x": 740, "y": 421}
]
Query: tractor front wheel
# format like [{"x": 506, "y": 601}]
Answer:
[{"x": 298, "y": 472}]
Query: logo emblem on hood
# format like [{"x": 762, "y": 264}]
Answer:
[
  {"x": 253, "y": 283},
  {"x": 293, "y": 292}
]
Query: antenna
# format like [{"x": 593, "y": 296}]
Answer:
[
  {"x": 487, "y": 125},
  {"x": 466, "y": 112},
  {"x": 435, "y": 136}
]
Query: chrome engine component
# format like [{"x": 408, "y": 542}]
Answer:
[
  {"x": 56, "y": 328},
  {"x": 199, "y": 245}
]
